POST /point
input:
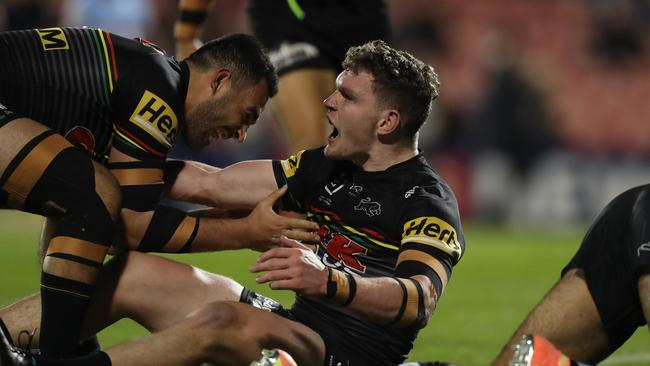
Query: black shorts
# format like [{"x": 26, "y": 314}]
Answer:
[
  {"x": 6, "y": 115},
  {"x": 335, "y": 353},
  {"x": 322, "y": 37},
  {"x": 613, "y": 254}
]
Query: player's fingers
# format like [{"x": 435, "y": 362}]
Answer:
[
  {"x": 288, "y": 284},
  {"x": 291, "y": 243},
  {"x": 299, "y": 235},
  {"x": 273, "y": 196},
  {"x": 281, "y": 274},
  {"x": 301, "y": 224},
  {"x": 276, "y": 253},
  {"x": 270, "y": 265}
]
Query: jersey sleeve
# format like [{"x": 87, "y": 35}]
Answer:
[
  {"x": 302, "y": 173},
  {"x": 148, "y": 109},
  {"x": 431, "y": 224}
]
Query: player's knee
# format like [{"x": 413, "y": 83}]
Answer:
[
  {"x": 108, "y": 190},
  {"x": 219, "y": 317}
]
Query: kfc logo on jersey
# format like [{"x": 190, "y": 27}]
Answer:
[
  {"x": 368, "y": 206},
  {"x": 340, "y": 251},
  {"x": 156, "y": 118},
  {"x": 82, "y": 137}
]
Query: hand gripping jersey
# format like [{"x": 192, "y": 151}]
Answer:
[
  {"x": 366, "y": 220},
  {"x": 95, "y": 88}
]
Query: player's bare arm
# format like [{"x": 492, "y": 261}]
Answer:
[
  {"x": 259, "y": 230},
  {"x": 385, "y": 300},
  {"x": 241, "y": 185}
]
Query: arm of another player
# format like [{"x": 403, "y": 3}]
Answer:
[
  {"x": 192, "y": 14},
  {"x": 394, "y": 301},
  {"x": 241, "y": 185},
  {"x": 152, "y": 227}
]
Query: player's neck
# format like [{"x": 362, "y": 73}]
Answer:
[
  {"x": 383, "y": 157},
  {"x": 198, "y": 86}
]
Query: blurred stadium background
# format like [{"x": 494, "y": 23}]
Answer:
[{"x": 543, "y": 117}]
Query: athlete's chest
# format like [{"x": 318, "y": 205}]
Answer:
[{"x": 359, "y": 224}]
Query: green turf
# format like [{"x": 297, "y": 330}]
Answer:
[{"x": 502, "y": 275}]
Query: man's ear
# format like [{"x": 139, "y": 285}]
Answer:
[
  {"x": 218, "y": 79},
  {"x": 390, "y": 122}
]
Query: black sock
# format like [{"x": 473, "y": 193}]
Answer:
[
  {"x": 96, "y": 358},
  {"x": 64, "y": 303},
  {"x": 88, "y": 346}
]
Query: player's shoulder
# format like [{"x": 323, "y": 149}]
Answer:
[
  {"x": 424, "y": 184},
  {"x": 304, "y": 160},
  {"x": 638, "y": 197},
  {"x": 144, "y": 61}
]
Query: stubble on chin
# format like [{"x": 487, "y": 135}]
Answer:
[{"x": 197, "y": 125}]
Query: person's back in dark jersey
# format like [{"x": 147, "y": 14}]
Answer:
[
  {"x": 81, "y": 81},
  {"x": 122, "y": 103}
]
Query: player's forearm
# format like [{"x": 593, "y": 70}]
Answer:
[
  {"x": 161, "y": 230},
  {"x": 190, "y": 181},
  {"x": 241, "y": 185},
  {"x": 396, "y": 302},
  {"x": 192, "y": 14},
  {"x": 217, "y": 234},
  {"x": 168, "y": 230}
]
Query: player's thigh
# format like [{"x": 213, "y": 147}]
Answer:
[
  {"x": 298, "y": 106},
  {"x": 39, "y": 164},
  {"x": 14, "y": 136},
  {"x": 568, "y": 317},
  {"x": 157, "y": 292}
]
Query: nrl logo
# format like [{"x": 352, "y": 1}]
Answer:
[
  {"x": 332, "y": 188},
  {"x": 368, "y": 206}
]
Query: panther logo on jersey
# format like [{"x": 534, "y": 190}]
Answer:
[
  {"x": 368, "y": 206},
  {"x": 340, "y": 250}
]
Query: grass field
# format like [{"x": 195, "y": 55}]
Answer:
[{"x": 501, "y": 276}]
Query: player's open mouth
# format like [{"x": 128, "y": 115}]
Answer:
[{"x": 333, "y": 135}]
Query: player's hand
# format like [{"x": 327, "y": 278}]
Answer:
[
  {"x": 185, "y": 47},
  {"x": 292, "y": 267},
  {"x": 266, "y": 226}
]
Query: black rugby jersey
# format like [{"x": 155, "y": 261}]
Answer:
[
  {"x": 366, "y": 219},
  {"x": 95, "y": 88}
]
